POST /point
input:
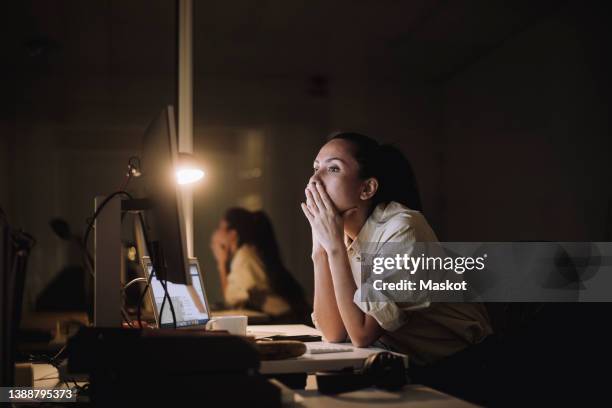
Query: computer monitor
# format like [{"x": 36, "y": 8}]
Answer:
[
  {"x": 189, "y": 301},
  {"x": 165, "y": 221}
]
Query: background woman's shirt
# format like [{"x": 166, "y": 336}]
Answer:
[{"x": 248, "y": 284}]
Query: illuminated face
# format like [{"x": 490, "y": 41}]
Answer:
[
  {"x": 338, "y": 171},
  {"x": 224, "y": 234}
]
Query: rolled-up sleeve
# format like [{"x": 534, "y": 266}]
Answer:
[
  {"x": 388, "y": 310},
  {"x": 388, "y": 315},
  {"x": 392, "y": 229}
]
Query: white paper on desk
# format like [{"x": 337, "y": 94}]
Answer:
[{"x": 261, "y": 335}]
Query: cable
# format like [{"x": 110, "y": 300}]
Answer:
[
  {"x": 130, "y": 283},
  {"x": 56, "y": 363},
  {"x": 133, "y": 171},
  {"x": 91, "y": 222},
  {"x": 88, "y": 261},
  {"x": 98, "y": 211},
  {"x": 126, "y": 318},
  {"x": 125, "y": 183},
  {"x": 56, "y": 356},
  {"x": 161, "y": 281},
  {"x": 142, "y": 295},
  {"x": 127, "y": 285},
  {"x": 164, "y": 284}
]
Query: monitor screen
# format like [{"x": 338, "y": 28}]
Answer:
[
  {"x": 189, "y": 301},
  {"x": 165, "y": 220}
]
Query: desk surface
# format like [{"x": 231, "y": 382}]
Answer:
[
  {"x": 254, "y": 317},
  {"x": 46, "y": 376},
  {"x": 310, "y": 363},
  {"x": 412, "y": 395}
]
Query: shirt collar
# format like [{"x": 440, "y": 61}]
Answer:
[
  {"x": 354, "y": 246},
  {"x": 381, "y": 214}
]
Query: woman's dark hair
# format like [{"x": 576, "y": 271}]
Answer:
[
  {"x": 255, "y": 228},
  {"x": 241, "y": 220},
  {"x": 396, "y": 180}
]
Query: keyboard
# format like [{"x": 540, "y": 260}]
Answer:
[{"x": 328, "y": 348}]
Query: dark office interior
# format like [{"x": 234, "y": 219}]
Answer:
[{"x": 501, "y": 106}]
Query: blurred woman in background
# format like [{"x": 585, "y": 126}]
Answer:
[{"x": 251, "y": 269}]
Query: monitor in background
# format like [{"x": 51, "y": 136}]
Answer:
[
  {"x": 165, "y": 221},
  {"x": 189, "y": 301}
]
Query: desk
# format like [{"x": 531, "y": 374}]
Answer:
[
  {"x": 410, "y": 396},
  {"x": 253, "y": 316},
  {"x": 46, "y": 376},
  {"x": 310, "y": 363}
]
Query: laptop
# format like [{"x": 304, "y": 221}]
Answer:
[{"x": 189, "y": 301}]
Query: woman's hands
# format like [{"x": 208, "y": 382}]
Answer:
[
  {"x": 325, "y": 307},
  {"x": 326, "y": 222},
  {"x": 221, "y": 251},
  {"x": 219, "y": 248},
  {"x": 337, "y": 314}
]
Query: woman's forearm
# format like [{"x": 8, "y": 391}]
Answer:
[
  {"x": 324, "y": 305},
  {"x": 361, "y": 328},
  {"x": 222, "y": 267}
]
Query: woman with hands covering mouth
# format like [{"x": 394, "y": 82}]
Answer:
[{"x": 362, "y": 192}]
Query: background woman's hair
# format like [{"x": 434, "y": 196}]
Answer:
[
  {"x": 241, "y": 220},
  {"x": 255, "y": 228},
  {"x": 396, "y": 180}
]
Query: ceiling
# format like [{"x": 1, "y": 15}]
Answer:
[{"x": 424, "y": 39}]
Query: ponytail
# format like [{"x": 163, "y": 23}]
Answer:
[
  {"x": 255, "y": 228},
  {"x": 386, "y": 163},
  {"x": 281, "y": 280},
  {"x": 396, "y": 179}
]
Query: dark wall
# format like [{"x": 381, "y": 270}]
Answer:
[
  {"x": 257, "y": 139},
  {"x": 512, "y": 145},
  {"x": 526, "y": 136},
  {"x": 5, "y": 177}
]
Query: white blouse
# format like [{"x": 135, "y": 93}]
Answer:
[
  {"x": 247, "y": 273},
  {"x": 391, "y": 222},
  {"x": 426, "y": 330}
]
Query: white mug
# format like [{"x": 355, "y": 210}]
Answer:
[{"x": 233, "y": 324}]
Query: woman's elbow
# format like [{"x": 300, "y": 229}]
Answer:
[
  {"x": 335, "y": 337},
  {"x": 359, "y": 342},
  {"x": 363, "y": 340}
]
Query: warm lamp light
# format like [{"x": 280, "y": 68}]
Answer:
[{"x": 189, "y": 170}]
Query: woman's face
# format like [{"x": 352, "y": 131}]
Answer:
[
  {"x": 224, "y": 234},
  {"x": 338, "y": 171}
]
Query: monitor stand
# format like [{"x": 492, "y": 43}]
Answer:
[{"x": 108, "y": 263}]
